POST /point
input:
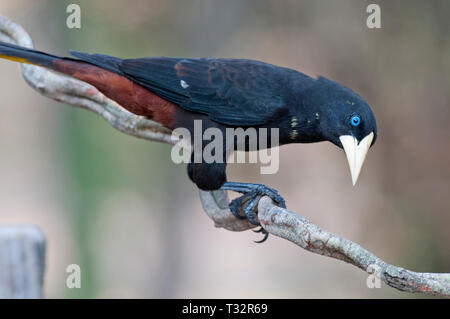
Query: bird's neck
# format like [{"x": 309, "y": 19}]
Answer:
[{"x": 293, "y": 129}]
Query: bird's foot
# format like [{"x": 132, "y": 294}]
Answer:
[{"x": 247, "y": 203}]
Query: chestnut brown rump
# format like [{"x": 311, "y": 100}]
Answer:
[{"x": 130, "y": 95}]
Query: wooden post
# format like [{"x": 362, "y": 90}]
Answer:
[{"x": 22, "y": 261}]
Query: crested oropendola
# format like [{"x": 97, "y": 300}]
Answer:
[{"x": 224, "y": 93}]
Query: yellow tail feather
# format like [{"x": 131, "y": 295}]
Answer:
[{"x": 16, "y": 59}]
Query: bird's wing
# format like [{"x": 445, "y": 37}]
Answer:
[{"x": 230, "y": 91}]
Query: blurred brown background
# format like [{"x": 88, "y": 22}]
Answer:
[{"x": 119, "y": 207}]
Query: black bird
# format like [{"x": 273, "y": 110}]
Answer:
[{"x": 225, "y": 93}]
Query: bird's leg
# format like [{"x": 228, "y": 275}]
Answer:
[{"x": 249, "y": 200}]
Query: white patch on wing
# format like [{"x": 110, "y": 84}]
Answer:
[
  {"x": 294, "y": 122},
  {"x": 293, "y": 135},
  {"x": 183, "y": 84}
]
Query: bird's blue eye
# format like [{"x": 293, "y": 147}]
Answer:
[{"x": 355, "y": 120}]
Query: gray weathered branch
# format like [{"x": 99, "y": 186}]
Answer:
[{"x": 277, "y": 221}]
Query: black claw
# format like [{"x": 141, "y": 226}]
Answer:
[
  {"x": 266, "y": 235},
  {"x": 260, "y": 230}
]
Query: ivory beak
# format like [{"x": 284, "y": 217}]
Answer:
[{"x": 356, "y": 152}]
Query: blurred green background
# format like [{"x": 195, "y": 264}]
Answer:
[{"x": 118, "y": 207}]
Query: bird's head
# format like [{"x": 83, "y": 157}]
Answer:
[{"x": 344, "y": 119}]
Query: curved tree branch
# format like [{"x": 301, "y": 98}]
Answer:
[{"x": 277, "y": 221}]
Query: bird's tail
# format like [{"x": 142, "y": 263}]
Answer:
[{"x": 24, "y": 55}]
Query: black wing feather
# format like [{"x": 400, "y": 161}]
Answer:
[
  {"x": 233, "y": 92},
  {"x": 230, "y": 91}
]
